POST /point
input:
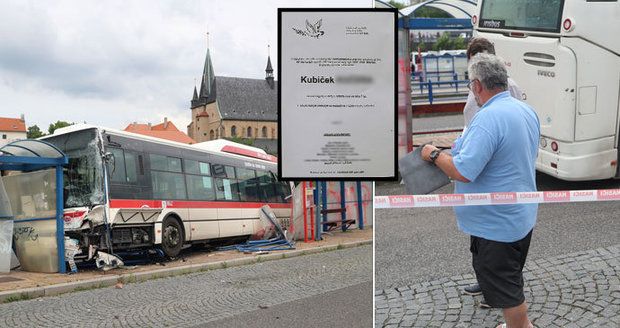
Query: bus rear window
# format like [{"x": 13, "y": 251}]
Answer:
[{"x": 527, "y": 15}]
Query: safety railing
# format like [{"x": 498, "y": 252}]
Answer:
[{"x": 432, "y": 88}]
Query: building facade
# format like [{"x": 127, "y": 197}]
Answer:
[
  {"x": 233, "y": 107},
  {"x": 12, "y": 129}
]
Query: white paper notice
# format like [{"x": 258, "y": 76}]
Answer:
[{"x": 337, "y": 93}]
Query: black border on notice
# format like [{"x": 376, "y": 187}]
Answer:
[{"x": 394, "y": 177}]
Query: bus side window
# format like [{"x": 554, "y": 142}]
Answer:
[
  {"x": 248, "y": 185},
  {"x": 199, "y": 183},
  {"x": 196, "y": 167},
  {"x": 230, "y": 172},
  {"x": 168, "y": 185},
  {"x": 267, "y": 190},
  {"x": 158, "y": 162},
  {"x": 226, "y": 189},
  {"x": 200, "y": 187},
  {"x": 283, "y": 191},
  {"x": 219, "y": 171},
  {"x": 174, "y": 164},
  {"x": 166, "y": 179},
  {"x": 117, "y": 171},
  {"x": 141, "y": 164},
  {"x": 131, "y": 167}
]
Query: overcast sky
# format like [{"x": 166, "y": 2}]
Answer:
[{"x": 110, "y": 63}]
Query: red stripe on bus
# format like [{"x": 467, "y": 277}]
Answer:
[
  {"x": 250, "y": 153},
  {"x": 134, "y": 203},
  {"x": 143, "y": 203}
]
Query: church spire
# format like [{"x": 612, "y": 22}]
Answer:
[
  {"x": 207, "y": 76},
  {"x": 195, "y": 97},
  {"x": 269, "y": 69},
  {"x": 206, "y": 93}
]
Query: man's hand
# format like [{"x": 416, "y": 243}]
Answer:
[
  {"x": 443, "y": 162},
  {"x": 426, "y": 152}
]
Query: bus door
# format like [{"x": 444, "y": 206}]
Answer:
[{"x": 203, "y": 216}]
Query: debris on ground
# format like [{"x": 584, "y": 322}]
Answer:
[
  {"x": 107, "y": 261},
  {"x": 273, "y": 237}
]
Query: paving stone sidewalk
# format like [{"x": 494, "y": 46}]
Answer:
[
  {"x": 573, "y": 290},
  {"x": 192, "y": 299}
]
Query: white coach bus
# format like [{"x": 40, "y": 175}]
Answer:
[
  {"x": 565, "y": 57},
  {"x": 125, "y": 191}
]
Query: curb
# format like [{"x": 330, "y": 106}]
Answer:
[{"x": 111, "y": 280}]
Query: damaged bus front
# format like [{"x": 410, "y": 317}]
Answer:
[{"x": 85, "y": 208}]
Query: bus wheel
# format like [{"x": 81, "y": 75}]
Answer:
[{"x": 172, "y": 237}]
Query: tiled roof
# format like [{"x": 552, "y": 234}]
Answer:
[
  {"x": 246, "y": 99},
  {"x": 166, "y": 130},
  {"x": 166, "y": 126},
  {"x": 135, "y": 127},
  {"x": 12, "y": 125}
]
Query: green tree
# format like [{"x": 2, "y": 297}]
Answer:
[
  {"x": 422, "y": 46},
  {"x": 241, "y": 140},
  {"x": 459, "y": 43},
  {"x": 58, "y": 125},
  {"x": 444, "y": 42},
  {"x": 397, "y": 4},
  {"x": 431, "y": 12},
  {"x": 34, "y": 132}
]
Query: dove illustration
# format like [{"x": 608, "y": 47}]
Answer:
[{"x": 314, "y": 30}]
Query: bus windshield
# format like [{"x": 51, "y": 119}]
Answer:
[
  {"x": 83, "y": 177},
  {"x": 529, "y": 15}
]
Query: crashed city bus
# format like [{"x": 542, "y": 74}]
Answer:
[{"x": 127, "y": 192}]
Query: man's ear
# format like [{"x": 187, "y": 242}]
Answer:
[{"x": 477, "y": 86}]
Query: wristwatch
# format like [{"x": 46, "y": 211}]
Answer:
[{"x": 435, "y": 154}]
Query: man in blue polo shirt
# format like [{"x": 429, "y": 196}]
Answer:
[{"x": 497, "y": 153}]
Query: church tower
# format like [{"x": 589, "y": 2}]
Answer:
[{"x": 269, "y": 72}]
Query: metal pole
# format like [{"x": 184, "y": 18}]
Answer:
[
  {"x": 303, "y": 206},
  {"x": 317, "y": 222},
  {"x": 60, "y": 224},
  {"x": 343, "y": 206},
  {"x": 454, "y": 67},
  {"x": 324, "y": 201},
  {"x": 312, "y": 212},
  {"x": 312, "y": 224},
  {"x": 430, "y": 91},
  {"x": 360, "y": 208}
]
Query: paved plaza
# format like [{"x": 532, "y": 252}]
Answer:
[
  {"x": 572, "y": 274},
  {"x": 196, "y": 299},
  {"x": 580, "y": 289}
]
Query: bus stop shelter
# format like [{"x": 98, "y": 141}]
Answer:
[{"x": 33, "y": 156}]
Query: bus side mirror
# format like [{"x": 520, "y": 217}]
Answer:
[{"x": 110, "y": 160}]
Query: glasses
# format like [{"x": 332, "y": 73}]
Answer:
[{"x": 470, "y": 83}]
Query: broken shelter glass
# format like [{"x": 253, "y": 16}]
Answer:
[{"x": 83, "y": 176}]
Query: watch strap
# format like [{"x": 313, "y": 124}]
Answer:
[{"x": 435, "y": 154}]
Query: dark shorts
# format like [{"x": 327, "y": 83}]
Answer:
[{"x": 499, "y": 270}]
